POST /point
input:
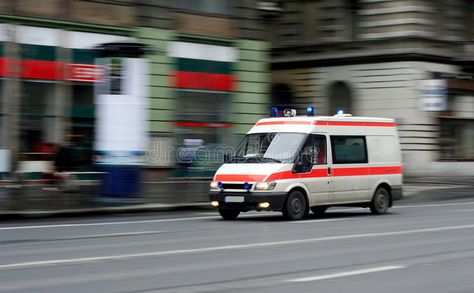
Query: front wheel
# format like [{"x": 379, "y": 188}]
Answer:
[
  {"x": 229, "y": 214},
  {"x": 380, "y": 201},
  {"x": 295, "y": 206}
]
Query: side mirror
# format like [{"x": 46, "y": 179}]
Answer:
[
  {"x": 227, "y": 158},
  {"x": 302, "y": 165}
]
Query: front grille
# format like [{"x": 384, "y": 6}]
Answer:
[{"x": 234, "y": 186}]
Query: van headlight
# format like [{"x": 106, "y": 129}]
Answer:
[
  {"x": 265, "y": 185},
  {"x": 214, "y": 185}
]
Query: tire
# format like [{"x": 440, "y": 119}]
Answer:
[
  {"x": 229, "y": 214},
  {"x": 380, "y": 202},
  {"x": 319, "y": 210},
  {"x": 295, "y": 207}
]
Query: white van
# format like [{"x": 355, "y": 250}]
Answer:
[{"x": 302, "y": 163}]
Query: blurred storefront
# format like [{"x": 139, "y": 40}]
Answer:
[
  {"x": 48, "y": 71},
  {"x": 208, "y": 77}
]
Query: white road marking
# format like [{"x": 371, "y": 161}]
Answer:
[
  {"x": 225, "y": 248},
  {"x": 110, "y": 235},
  {"x": 206, "y": 217},
  {"x": 107, "y": 223},
  {"x": 323, "y": 220},
  {"x": 346, "y": 274}
]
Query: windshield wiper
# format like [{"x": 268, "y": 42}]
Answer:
[
  {"x": 262, "y": 159},
  {"x": 253, "y": 159},
  {"x": 236, "y": 159},
  {"x": 271, "y": 160}
]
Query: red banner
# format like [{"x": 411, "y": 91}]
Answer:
[
  {"x": 50, "y": 70},
  {"x": 205, "y": 81}
]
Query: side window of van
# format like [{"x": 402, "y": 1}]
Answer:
[
  {"x": 349, "y": 149},
  {"x": 314, "y": 149}
]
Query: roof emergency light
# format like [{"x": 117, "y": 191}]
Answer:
[
  {"x": 310, "y": 111},
  {"x": 282, "y": 111},
  {"x": 289, "y": 112},
  {"x": 274, "y": 111}
]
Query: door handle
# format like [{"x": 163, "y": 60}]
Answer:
[{"x": 329, "y": 170}]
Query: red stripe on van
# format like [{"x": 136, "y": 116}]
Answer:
[
  {"x": 356, "y": 171},
  {"x": 386, "y": 170},
  {"x": 283, "y": 122},
  {"x": 239, "y": 178},
  {"x": 322, "y": 172},
  {"x": 353, "y": 123},
  {"x": 290, "y": 175},
  {"x": 361, "y": 171}
]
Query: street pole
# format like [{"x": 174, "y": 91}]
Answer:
[{"x": 12, "y": 97}]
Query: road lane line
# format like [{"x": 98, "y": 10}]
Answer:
[
  {"x": 107, "y": 223},
  {"x": 125, "y": 222},
  {"x": 108, "y": 235},
  {"x": 199, "y": 218},
  {"x": 226, "y": 248},
  {"x": 323, "y": 220},
  {"x": 346, "y": 274}
]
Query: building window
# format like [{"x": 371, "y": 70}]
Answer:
[
  {"x": 82, "y": 123},
  {"x": 457, "y": 139},
  {"x": 206, "y": 6},
  {"x": 340, "y": 98},
  {"x": 352, "y": 19},
  {"x": 348, "y": 149},
  {"x": 37, "y": 117},
  {"x": 282, "y": 95},
  {"x": 202, "y": 115}
]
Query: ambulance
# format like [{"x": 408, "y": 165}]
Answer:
[{"x": 297, "y": 164}]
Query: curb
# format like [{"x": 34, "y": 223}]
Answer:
[{"x": 440, "y": 181}]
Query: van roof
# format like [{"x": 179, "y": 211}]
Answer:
[
  {"x": 329, "y": 118},
  {"x": 308, "y": 123}
]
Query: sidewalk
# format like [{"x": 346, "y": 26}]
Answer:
[
  {"x": 44, "y": 200},
  {"x": 173, "y": 194}
]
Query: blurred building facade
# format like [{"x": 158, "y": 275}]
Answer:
[
  {"x": 378, "y": 58},
  {"x": 208, "y": 79},
  {"x": 48, "y": 73}
]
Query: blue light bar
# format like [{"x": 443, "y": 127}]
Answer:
[
  {"x": 274, "y": 111},
  {"x": 340, "y": 112},
  {"x": 310, "y": 111}
]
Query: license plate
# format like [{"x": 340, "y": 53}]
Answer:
[{"x": 234, "y": 199}]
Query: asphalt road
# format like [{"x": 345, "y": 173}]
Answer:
[{"x": 425, "y": 244}]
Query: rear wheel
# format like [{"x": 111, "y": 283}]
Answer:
[
  {"x": 295, "y": 206},
  {"x": 319, "y": 210},
  {"x": 229, "y": 214},
  {"x": 380, "y": 201}
]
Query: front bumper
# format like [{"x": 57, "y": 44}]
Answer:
[{"x": 250, "y": 200}]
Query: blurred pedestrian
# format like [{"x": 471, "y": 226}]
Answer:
[{"x": 63, "y": 164}]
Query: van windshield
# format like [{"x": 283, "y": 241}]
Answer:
[{"x": 271, "y": 147}]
